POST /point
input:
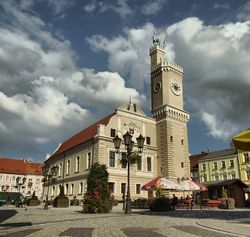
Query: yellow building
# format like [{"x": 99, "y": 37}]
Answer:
[
  {"x": 244, "y": 162},
  {"x": 219, "y": 165},
  {"x": 165, "y": 150}
]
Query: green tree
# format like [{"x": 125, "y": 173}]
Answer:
[{"x": 97, "y": 198}]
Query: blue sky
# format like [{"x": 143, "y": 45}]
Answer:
[{"x": 66, "y": 63}]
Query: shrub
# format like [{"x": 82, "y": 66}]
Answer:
[
  {"x": 160, "y": 204},
  {"x": 97, "y": 198}
]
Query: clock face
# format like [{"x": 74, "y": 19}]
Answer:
[
  {"x": 176, "y": 87},
  {"x": 157, "y": 87}
]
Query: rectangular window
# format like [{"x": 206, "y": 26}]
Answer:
[
  {"x": 246, "y": 157},
  {"x": 88, "y": 160},
  {"x": 13, "y": 178},
  {"x": 139, "y": 163},
  {"x": 182, "y": 142},
  {"x": 182, "y": 164},
  {"x": 66, "y": 189},
  {"x": 123, "y": 188},
  {"x": 60, "y": 170},
  {"x": 111, "y": 187},
  {"x": 111, "y": 159},
  {"x": 72, "y": 188},
  {"x": 112, "y": 132},
  {"x": 203, "y": 167},
  {"x": 248, "y": 174},
  {"x": 215, "y": 166},
  {"x": 68, "y": 166},
  {"x": 171, "y": 139},
  {"x": 224, "y": 176},
  {"x": 231, "y": 163},
  {"x": 149, "y": 165},
  {"x": 216, "y": 177},
  {"x": 138, "y": 189},
  {"x": 205, "y": 178},
  {"x": 81, "y": 188},
  {"x": 124, "y": 160},
  {"x": 77, "y": 163},
  {"x": 223, "y": 164},
  {"x": 148, "y": 140}
]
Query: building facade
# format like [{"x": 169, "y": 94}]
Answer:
[
  {"x": 31, "y": 173},
  {"x": 165, "y": 150},
  {"x": 218, "y": 166},
  {"x": 244, "y": 162}
]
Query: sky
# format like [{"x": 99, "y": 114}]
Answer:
[{"x": 66, "y": 63}]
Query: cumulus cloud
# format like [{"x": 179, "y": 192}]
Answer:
[
  {"x": 44, "y": 97},
  {"x": 216, "y": 63},
  {"x": 153, "y": 6}
]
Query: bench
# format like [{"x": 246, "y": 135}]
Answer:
[{"x": 210, "y": 203}]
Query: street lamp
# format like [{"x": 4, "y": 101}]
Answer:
[
  {"x": 48, "y": 174},
  {"x": 127, "y": 137},
  {"x": 19, "y": 182}
]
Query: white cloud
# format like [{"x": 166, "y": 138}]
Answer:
[
  {"x": 244, "y": 12},
  {"x": 153, "y": 6},
  {"x": 216, "y": 62},
  {"x": 44, "y": 97}
]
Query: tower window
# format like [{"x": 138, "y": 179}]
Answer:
[
  {"x": 112, "y": 132},
  {"x": 182, "y": 142},
  {"x": 171, "y": 138},
  {"x": 182, "y": 164},
  {"x": 148, "y": 140}
]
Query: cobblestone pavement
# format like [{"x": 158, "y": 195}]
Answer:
[{"x": 16, "y": 222}]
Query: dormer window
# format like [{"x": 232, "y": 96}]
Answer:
[{"x": 112, "y": 132}]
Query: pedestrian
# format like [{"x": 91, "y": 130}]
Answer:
[{"x": 174, "y": 201}]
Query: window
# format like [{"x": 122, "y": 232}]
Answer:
[
  {"x": 246, "y": 157},
  {"x": 231, "y": 163},
  {"x": 215, "y": 166},
  {"x": 248, "y": 174},
  {"x": 203, "y": 167},
  {"x": 60, "y": 170},
  {"x": 1, "y": 177},
  {"x": 124, "y": 160},
  {"x": 138, "y": 189},
  {"x": 67, "y": 189},
  {"x": 205, "y": 177},
  {"x": 139, "y": 163},
  {"x": 223, "y": 164},
  {"x": 182, "y": 142},
  {"x": 88, "y": 160},
  {"x": 68, "y": 166},
  {"x": 13, "y": 178},
  {"x": 149, "y": 165},
  {"x": 81, "y": 188},
  {"x": 77, "y": 163},
  {"x": 148, "y": 140},
  {"x": 233, "y": 176},
  {"x": 72, "y": 188},
  {"x": 171, "y": 139},
  {"x": 111, "y": 159},
  {"x": 111, "y": 187},
  {"x": 112, "y": 132},
  {"x": 216, "y": 177},
  {"x": 182, "y": 164},
  {"x": 123, "y": 188},
  {"x": 224, "y": 176}
]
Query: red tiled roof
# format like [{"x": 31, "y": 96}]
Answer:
[
  {"x": 195, "y": 158},
  {"x": 14, "y": 166},
  {"x": 81, "y": 137}
]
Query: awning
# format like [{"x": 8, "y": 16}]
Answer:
[
  {"x": 162, "y": 183},
  {"x": 190, "y": 185},
  {"x": 242, "y": 140}
]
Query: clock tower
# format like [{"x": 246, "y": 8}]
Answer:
[{"x": 171, "y": 119}]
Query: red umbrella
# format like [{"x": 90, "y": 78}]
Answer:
[
  {"x": 151, "y": 184},
  {"x": 190, "y": 185}
]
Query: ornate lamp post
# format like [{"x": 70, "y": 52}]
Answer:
[
  {"x": 129, "y": 148},
  {"x": 48, "y": 174},
  {"x": 19, "y": 182}
]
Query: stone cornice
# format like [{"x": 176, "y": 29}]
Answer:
[
  {"x": 172, "y": 113},
  {"x": 166, "y": 66}
]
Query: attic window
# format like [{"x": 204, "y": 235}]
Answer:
[{"x": 112, "y": 132}]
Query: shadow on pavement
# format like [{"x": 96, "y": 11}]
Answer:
[
  {"x": 214, "y": 214},
  {"x": 6, "y": 214}
]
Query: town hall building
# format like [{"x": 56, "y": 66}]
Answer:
[{"x": 165, "y": 152}]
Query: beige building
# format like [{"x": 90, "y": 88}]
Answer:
[
  {"x": 166, "y": 145},
  {"x": 28, "y": 173}
]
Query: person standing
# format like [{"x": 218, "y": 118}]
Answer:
[{"x": 174, "y": 201}]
